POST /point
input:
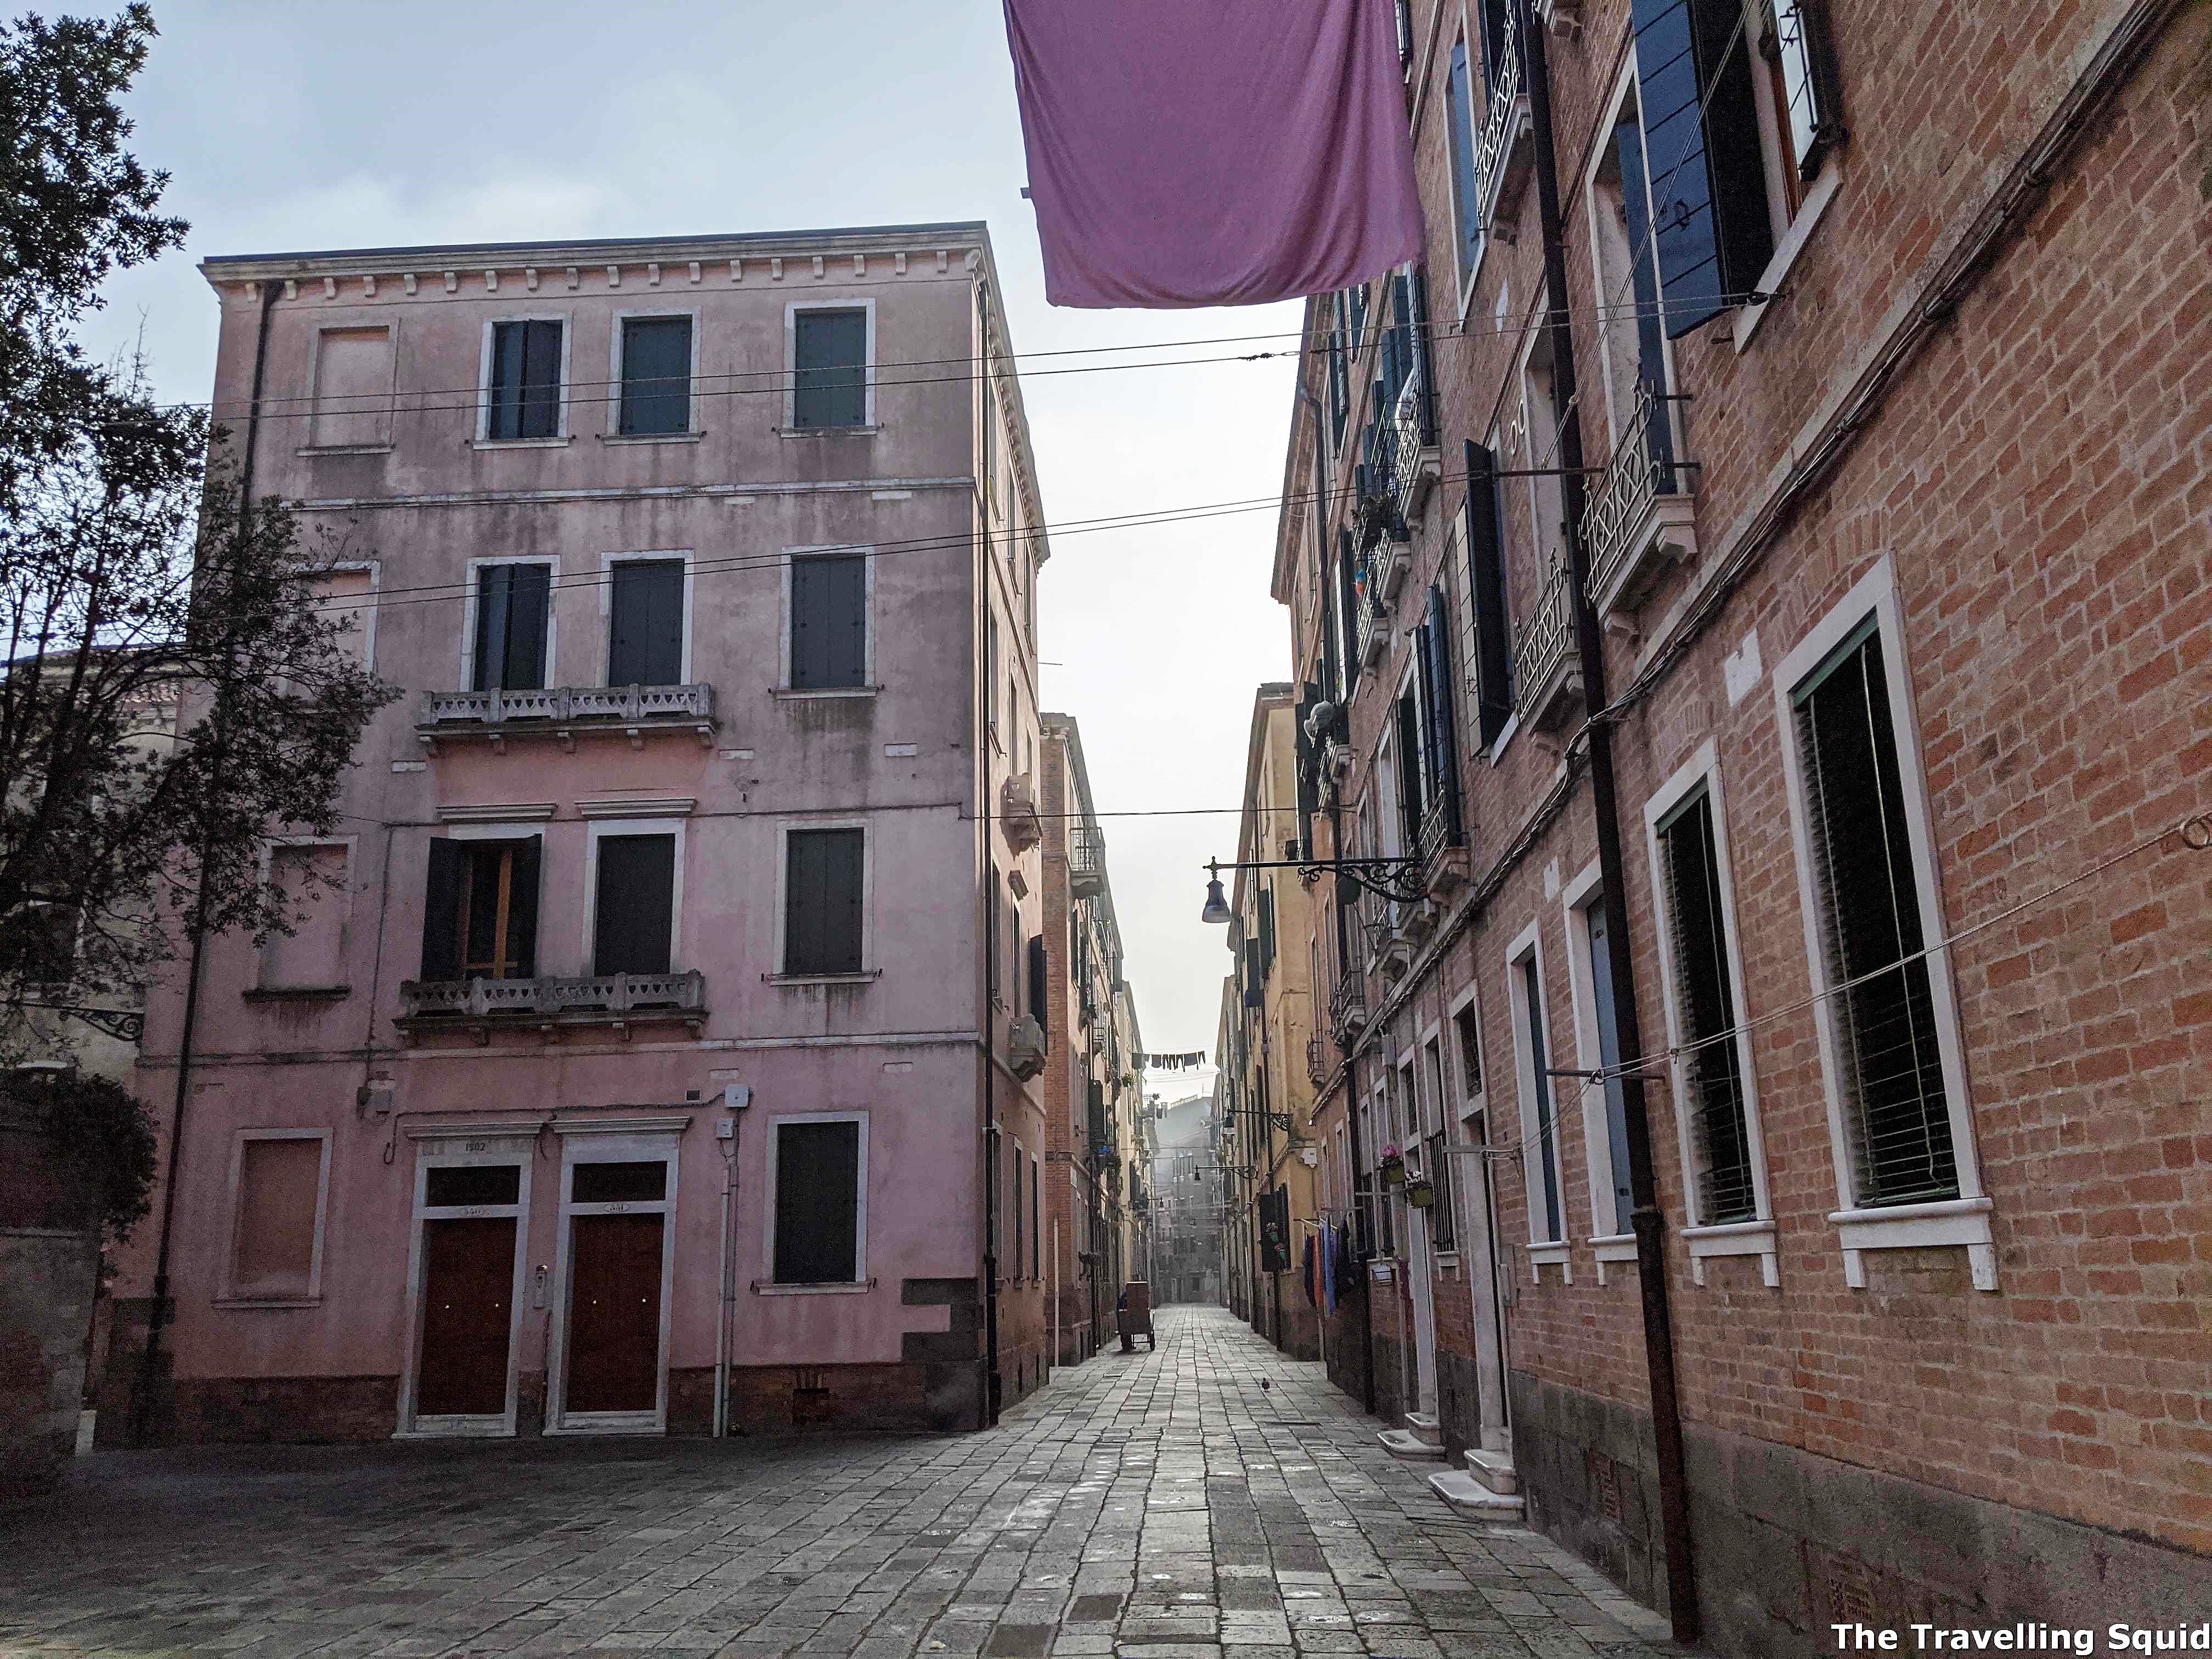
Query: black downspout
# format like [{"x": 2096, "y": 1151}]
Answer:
[
  {"x": 1650, "y": 1258},
  {"x": 984, "y": 921},
  {"x": 141, "y": 1404}
]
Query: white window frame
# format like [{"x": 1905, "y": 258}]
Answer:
[
  {"x": 1470, "y": 1101},
  {"x": 1576, "y": 899},
  {"x": 614, "y": 433},
  {"x": 1478, "y": 114},
  {"x": 791, "y": 310},
  {"x": 1706, "y": 1239},
  {"x": 469, "y": 605},
  {"x": 595, "y": 832},
  {"x": 1791, "y": 231},
  {"x": 360, "y": 325},
  {"x": 1616, "y": 419},
  {"x": 869, "y": 686},
  {"x": 483, "y": 438},
  {"x": 463, "y": 1147},
  {"x": 860, "y": 1282},
  {"x": 783, "y": 833},
  {"x": 1964, "y": 1219},
  {"x": 343, "y": 898},
  {"x": 607, "y": 563},
  {"x": 228, "y": 1295},
  {"x": 606, "y": 1142},
  {"x": 1528, "y": 945}
]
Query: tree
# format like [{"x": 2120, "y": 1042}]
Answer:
[{"x": 170, "y": 693}]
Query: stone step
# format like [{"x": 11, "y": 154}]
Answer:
[
  {"x": 1471, "y": 1500},
  {"x": 1495, "y": 1470},
  {"x": 1409, "y": 1448},
  {"x": 1425, "y": 1424}
]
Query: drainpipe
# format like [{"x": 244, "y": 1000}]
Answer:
[
  {"x": 725, "y": 1290},
  {"x": 984, "y": 932},
  {"x": 141, "y": 1404},
  {"x": 1651, "y": 1257}
]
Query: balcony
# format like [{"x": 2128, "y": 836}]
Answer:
[
  {"x": 1418, "y": 462},
  {"x": 1443, "y": 850},
  {"x": 1504, "y": 150},
  {"x": 1547, "y": 668},
  {"x": 1317, "y": 1062},
  {"x": 1639, "y": 520},
  {"x": 564, "y": 714},
  {"x": 550, "y": 1006},
  {"x": 1374, "y": 636},
  {"x": 1347, "y": 1010},
  {"x": 1086, "y": 860}
]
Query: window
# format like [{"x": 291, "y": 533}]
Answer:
[
  {"x": 353, "y": 388},
  {"x": 1467, "y": 1025},
  {"x": 1897, "y": 1114},
  {"x": 347, "y": 598},
  {"x": 645, "y": 622},
  {"x": 1539, "y": 431},
  {"x": 830, "y": 369},
  {"x": 522, "y": 381},
  {"x": 37, "y": 943},
  {"x": 278, "y": 1182},
  {"x": 633, "y": 906},
  {"x": 990, "y": 447},
  {"x": 1014, "y": 1193},
  {"x": 1492, "y": 619},
  {"x": 1462, "y": 120},
  {"x": 821, "y": 1210},
  {"x": 829, "y": 621},
  {"x": 991, "y": 669},
  {"x": 512, "y": 636},
  {"x": 656, "y": 378},
  {"x": 823, "y": 875},
  {"x": 1040, "y": 987},
  {"x": 1698, "y": 950},
  {"x": 1611, "y": 1201},
  {"x": 1444, "y": 1213},
  {"x": 480, "y": 910},
  {"x": 1539, "y": 1126},
  {"x": 1037, "y": 1225},
  {"x": 313, "y": 880},
  {"x": 1439, "y": 726}
]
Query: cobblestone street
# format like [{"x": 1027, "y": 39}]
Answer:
[{"x": 1164, "y": 1505}]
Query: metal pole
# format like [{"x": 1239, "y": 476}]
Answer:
[{"x": 1650, "y": 1258}]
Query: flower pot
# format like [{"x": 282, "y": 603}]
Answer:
[
  {"x": 1393, "y": 1174},
  {"x": 1421, "y": 1194}
]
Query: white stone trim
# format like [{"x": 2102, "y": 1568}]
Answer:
[
  {"x": 859, "y": 1281},
  {"x": 1528, "y": 945},
  {"x": 607, "y": 563},
  {"x": 612, "y": 1141},
  {"x": 483, "y": 438},
  {"x": 791, "y": 555},
  {"x": 468, "y": 597},
  {"x": 783, "y": 832},
  {"x": 614, "y": 369}
]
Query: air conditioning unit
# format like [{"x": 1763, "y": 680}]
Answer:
[
  {"x": 1017, "y": 813},
  {"x": 1026, "y": 1047}
]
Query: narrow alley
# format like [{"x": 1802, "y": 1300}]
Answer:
[{"x": 1211, "y": 1498}]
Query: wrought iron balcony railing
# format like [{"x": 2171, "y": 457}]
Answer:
[
  {"x": 1639, "y": 518},
  {"x": 1418, "y": 462},
  {"x": 588, "y": 999},
  {"x": 1347, "y": 1008},
  {"x": 1086, "y": 859},
  {"x": 1496, "y": 144},
  {"x": 564, "y": 713},
  {"x": 1548, "y": 668}
]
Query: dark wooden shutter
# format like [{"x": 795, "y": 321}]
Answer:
[
  {"x": 515, "y": 604},
  {"x": 442, "y": 911},
  {"x": 1491, "y": 21},
  {"x": 1347, "y": 575},
  {"x": 1253, "y": 996},
  {"x": 817, "y": 1203},
  {"x": 1444, "y": 715},
  {"x": 646, "y": 628},
  {"x": 656, "y": 367},
  {"x": 1410, "y": 802},
  {"x": 1704, "y": 999},
  {"x": 1425, "y": 354},
  {"x": 540, "y": 411},
  {"x": 1040, "y": 987},
  {"x": 522, "y": 907},
  {"x": 821, "y": 902},
  {"x": 1267, "y": 931},
  {"x": 829, "y": 621},
  {"x": 1701, "y": 132},
  {"x": 633, "y": 914},
  {"x": 830, "y": 380},
  {"x": 1486, "y": 564},
  {"x": 504, "y": 415}
]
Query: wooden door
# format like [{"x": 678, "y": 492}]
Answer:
[
  {"x": 614, "y": 1313},
  {"x": 468, "y": 1290}
]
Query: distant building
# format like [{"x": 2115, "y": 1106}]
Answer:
[{"x": 1187, "y": 1204}]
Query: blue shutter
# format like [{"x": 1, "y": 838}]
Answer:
[{"x": 1459, "y": 95}]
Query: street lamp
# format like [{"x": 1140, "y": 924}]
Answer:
[
  {"x": 1216, "y": 907},
  {"x": 1398, "y": 880}
]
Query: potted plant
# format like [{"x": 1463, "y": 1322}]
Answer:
[
  {"x": 1421, "y": 1194},
  {"x": 1393, "y": 1167}
]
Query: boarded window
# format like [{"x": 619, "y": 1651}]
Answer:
[
  {"x": 656, "y": 376},
  {"x": 515, "y": 611},
  {"x": 829, "y": 371},
  {"x": 822, "y": 901},
  {"x": 645, "y": 627},
  {"x": 817, "y": 1203},
  {"x": 524, "y": 393},
  {"x": 480, "y": 910},
  {"x": 346, "y": 599},
  {"x": 1705, "y": 1003},
  {"x": 312, "y": 881},
  {"x": 634, "y": 911},
  {"x": 353, "y": 387},
  {"x": 1895, "y": 1110},
  {"x": 829, "y": 621},
  {"x": 279, "y": 1201}
]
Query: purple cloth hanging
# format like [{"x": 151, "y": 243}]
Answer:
[{"x": 1213, "y": 152}]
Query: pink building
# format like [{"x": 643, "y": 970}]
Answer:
[{"x": 663, "y": 1053}]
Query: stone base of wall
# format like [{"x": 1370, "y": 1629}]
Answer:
[
  {"x": 933, "y": 1397},
  {"x": 1459, "y": 1403},
  {"x": 47, "y": 1281},
  {"x": 273, "y": 1410},
  {"x": 1788, "y": 1542}
]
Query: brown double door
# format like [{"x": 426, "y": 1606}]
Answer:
[
  {"x": 468, "y": 1317},
  {"x": 614, "y": 1313}
]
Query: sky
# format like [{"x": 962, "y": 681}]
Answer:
[{"x": 291, "y": 128}]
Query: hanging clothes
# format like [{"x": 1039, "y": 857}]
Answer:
[
  {"x": 1328, "y": 1249},
  {"x": 1213, "y": 152},
  {"x": 1308, "y": 1270}
]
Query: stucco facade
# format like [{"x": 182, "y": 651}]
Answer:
[{"x": 673, "y": 954}]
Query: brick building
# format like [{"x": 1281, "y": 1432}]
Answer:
[{"x": 1753, "y": 575}]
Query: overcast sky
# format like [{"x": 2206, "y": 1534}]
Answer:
[{"x": 324, "y": 125}]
